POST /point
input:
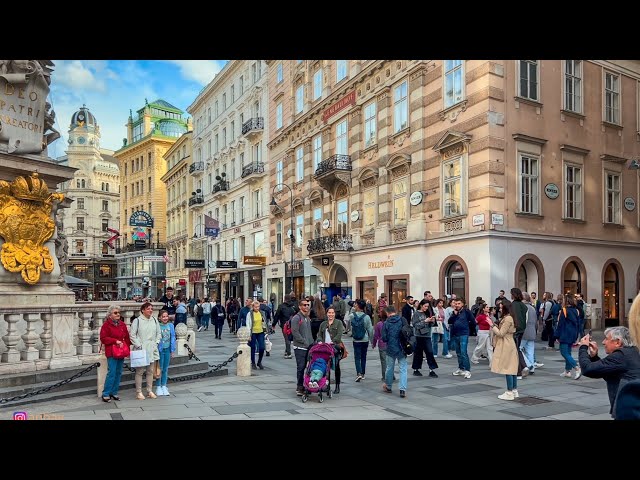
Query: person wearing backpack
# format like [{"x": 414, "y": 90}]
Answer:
[
  {"x": 284, "y": 312},
  {"x": 361, "y": 332},
  {"x": 206, "y": 314},
  {"x": 391, "y": 336}
]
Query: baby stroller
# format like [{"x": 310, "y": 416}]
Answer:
[{"x": 320, "y": 351}]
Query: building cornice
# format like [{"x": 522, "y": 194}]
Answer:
[{"x": 611, "y": 65}]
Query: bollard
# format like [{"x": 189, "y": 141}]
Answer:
[
  {"x": 101, "y": 371},
  {"x": 181, "y": 339},
  {"x": 243, "y": 362},
  {"x": 191, "y": 333}
]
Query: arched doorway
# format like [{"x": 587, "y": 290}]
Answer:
[
  {"x": 338, "y": 283},
  {"x": 529, "y": 274},
  {"x": 612, "y": 293},
  {"x": 454, "y": 277},
  {"x": 574, "y": 277}
]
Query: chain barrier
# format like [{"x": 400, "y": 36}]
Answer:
[
  {"x": 196, "y": 376},
  {"x": 50, "y": 387}
]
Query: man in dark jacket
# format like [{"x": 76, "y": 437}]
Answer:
[
  {"x": 499, "y": 298},
  {"x": 242, "y": 315},
  {"x": 620, "y": 366},
  {"x": 580, "y": 306},
  {"x": 285, "y": 312},
  {"x": 407, "y": 309},
  {"x": 459, "y": 323},
  {"x": 302, "y": 341},
  {"x": 391, "y": 335}
]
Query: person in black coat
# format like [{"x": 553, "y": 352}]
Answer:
[
  {"x": 620, "y": 366},
  {"x": 284, "y": 312},
  {"x": 407, "y": 309}
]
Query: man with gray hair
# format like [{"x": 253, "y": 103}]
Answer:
[{"x": 620, "y": 366}]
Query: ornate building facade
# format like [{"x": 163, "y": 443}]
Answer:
[
  {"x": 95, "y": 190},
  {"x": 231, "y": 180},
  {"x": 154, "y": 129},
  {"x": 459, "y": 176},
  {"x": 179, "y": 186}
]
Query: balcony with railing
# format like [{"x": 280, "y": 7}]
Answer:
[
  {"x": 253, "y": 172},
  {"x": 196, "y": 201},
  {"x": 196, "y": 168},
  {"x": 336, "y": 169},
  {"x": 330, "y": 243},
  {"x": 220, "y": 188},
  {"x": 253, "y": 126}
]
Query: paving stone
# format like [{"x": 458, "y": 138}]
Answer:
[{"x": 253, "y": 407}]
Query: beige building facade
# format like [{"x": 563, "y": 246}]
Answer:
[
  {"x": 459, "y": 176},
  {"x": 179, "y": 186},
  {"x": 143, "y": 200},
  {"x": 231, "y": 181}
]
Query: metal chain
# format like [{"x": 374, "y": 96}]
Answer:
[
  {"x": 50, "y": 387},
  {"x": 204, "y": 374}
]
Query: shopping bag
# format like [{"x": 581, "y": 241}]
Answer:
[
  {"x": 139, "y": 358},
  {"x": 156, "y": 369}
]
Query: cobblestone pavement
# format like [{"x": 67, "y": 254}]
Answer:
[{"x": 270, "y": 393}]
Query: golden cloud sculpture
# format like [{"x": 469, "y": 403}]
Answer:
[{"x": 25, "y": 225}]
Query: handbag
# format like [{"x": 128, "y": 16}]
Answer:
[
  {"x": 120, "y": 352},
  {"x": 156, "y": 369},
  {"x": 439, "y": 328},
  {"x": 139, "y": 358},
  {"x": 345, "y": 353}
]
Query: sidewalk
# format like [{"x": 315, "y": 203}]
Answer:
[{"x": 270, "y": 393}]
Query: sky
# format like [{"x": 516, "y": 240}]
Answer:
[{"x": 110, "y": 88}]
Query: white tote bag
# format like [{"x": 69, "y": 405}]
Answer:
[{"x": 139, "y": 358}]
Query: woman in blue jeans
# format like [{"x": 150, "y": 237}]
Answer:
[
  {"x": 166, "y": 348},
  {"x": 567, "y": 334},
  {"x": 113, "y": 333}
]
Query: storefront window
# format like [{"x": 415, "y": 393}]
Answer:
[
  {"x": 397, "y": 292},
  {"x": 367, "y": 291}
]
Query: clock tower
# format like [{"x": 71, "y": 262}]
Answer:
[{"x": 84, "y": 133}]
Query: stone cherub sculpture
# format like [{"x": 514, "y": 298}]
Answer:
[{"x": 49, "y": 122}]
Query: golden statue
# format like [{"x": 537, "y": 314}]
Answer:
[{"x": 25, "y": 225}]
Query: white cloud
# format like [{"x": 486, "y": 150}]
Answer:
[
  {"x": 201, "y": 71},
  {"x": 78, "y": 74}
]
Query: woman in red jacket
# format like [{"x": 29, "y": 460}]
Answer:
[{"x": 114, "y": 336}]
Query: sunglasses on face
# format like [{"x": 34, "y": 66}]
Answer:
[
  {"x": 115, "y": 313},
  {"x": 304, "y": 304}
]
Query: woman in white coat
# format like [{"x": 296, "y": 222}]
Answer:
[{"x": 145, "y": 334}]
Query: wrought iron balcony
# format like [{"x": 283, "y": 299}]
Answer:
[
  {"x": 330, "y": 243},
  {"x": 333, "y": 170},
  {"x": 196, "y": 168},
  {"x": 220, "y": 186},
  {"x": 253, "y": 171},
  {"x": 253, "y": 126},
  {"x": 196, "y": 200}
]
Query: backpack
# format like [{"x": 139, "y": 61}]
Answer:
[
  {"x": 286, "y": 329},
  {"x": 407, "y": 338},
  {"x": 198, "y": 310},
  {"x": 473, "y": 326},
  {"x": 357, "y": 327}
]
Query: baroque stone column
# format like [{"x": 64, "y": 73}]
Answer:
[{"x": 30, "y": 337}]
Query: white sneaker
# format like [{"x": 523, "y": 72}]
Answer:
[
  {"x": 458, "y": 372},
  {"x": 448, "y": 355},
  {"x": 435, "y": 356},
  {"x": 467, "y": 374},
  {"x": 566, "y": 374},
  {"x": 507, "y": 396},
  {"x": 525, "y": 371},
  {"x": 159, "y": 391},
  {"x": 515, "y": 394},
  {"x": 577, "y": 373},
  {"x": 475, "y": 362},
  {"x": 538, "y": 365},
  {"x": 166, "y": 391},
  {"x": 519, "y": 377},
  {"x": 200, "y": 328}
]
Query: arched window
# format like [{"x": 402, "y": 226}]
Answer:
[{"x": 83, "y": 183}]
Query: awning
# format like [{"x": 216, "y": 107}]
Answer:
[{"x": 69, "y": 280}]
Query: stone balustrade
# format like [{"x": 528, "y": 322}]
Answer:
[{"x": 55, "y": 336}]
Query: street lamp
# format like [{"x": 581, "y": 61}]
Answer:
[
  {"x": 291, "y": 236},
  {"x": 206, "y": 246}
]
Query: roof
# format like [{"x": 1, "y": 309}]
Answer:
[
  {"x": 164, "y": 103},
  {"x": 109, "y": 158},
  {"x": 69, "y": 280}
]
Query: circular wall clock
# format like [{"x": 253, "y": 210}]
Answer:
[{"x": 81, "y": 140}]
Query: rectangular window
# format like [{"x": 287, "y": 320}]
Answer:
[
  {"x": 79, "y": 246},
  {"x": 528, "y": 84},
  {"x": 342, "y": 217},
  {"x": 400, "y": 108},
  {"x": 299, "y": 229},
  {"x": 209, "y": 115},
  {"x": 370, "y": 125},
  {"x": 341, "y": 70},
  {"x": 254, "y": 73},
  {"x": 452, "y": 187},
  {"x": 224, "y": 102},
  {"x": 342, "y": 146},
  {"x": 216, "y": 144},
  {"x": 299, "y": 99},
  {"x": 299, "y": 164},
  {"x": 224, "y": 137},
  {"x": 256, "y": 203},
  {"x": 233, "y": 213},
  {"x": 232, "y": 173},
  {"x": 317, "y": 85},
  {"x": 224, "y": 216},
  {"x": 612, "y": 200},
  {"x": 453, "y": 82},
  {"x": 234, "y": 246},
  {"x": 80, "y": 201},
  {"x": 370, "y": 204},
  {"x": 241, "y": 85},
  {"x": 400, "y": 199},
  {"x": 317, "y": 151},
  {"x": 279, "y": 174},
  {"x": 573, "y": 85},
  {"x": 105, "y": 224},
  {"x": 317, "y": 222},
  {"x": 279, "y": 237},
  {"x": 259, "y": 245},
  {"x": 105, "y": 205},
  {"x": 573, "y": 191},
  {"x": 142, "y": 186},
  {"x": 149, "y": 183},
  {"x": 233, "y": 130},
  {"x": 233, "y": 94},
  {"x": 241, "y": 209},
  {"x": 611, "y": 98},
  {"x": 80, "y": 223},
  {"x": 529, "y": 189},
  {"x": 279, "y": 74},
  {"x": 279, "y": 116}
]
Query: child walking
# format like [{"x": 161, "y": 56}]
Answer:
[{"x": 167, "y": 348}]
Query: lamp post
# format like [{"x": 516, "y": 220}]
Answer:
[
  {"x": 195, "y": 236},
  {"x": 291, "y": 236}
]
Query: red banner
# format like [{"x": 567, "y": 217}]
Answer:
[
  {"x": 195, "y": 276},
  {"x": 344, "y": 102}
]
